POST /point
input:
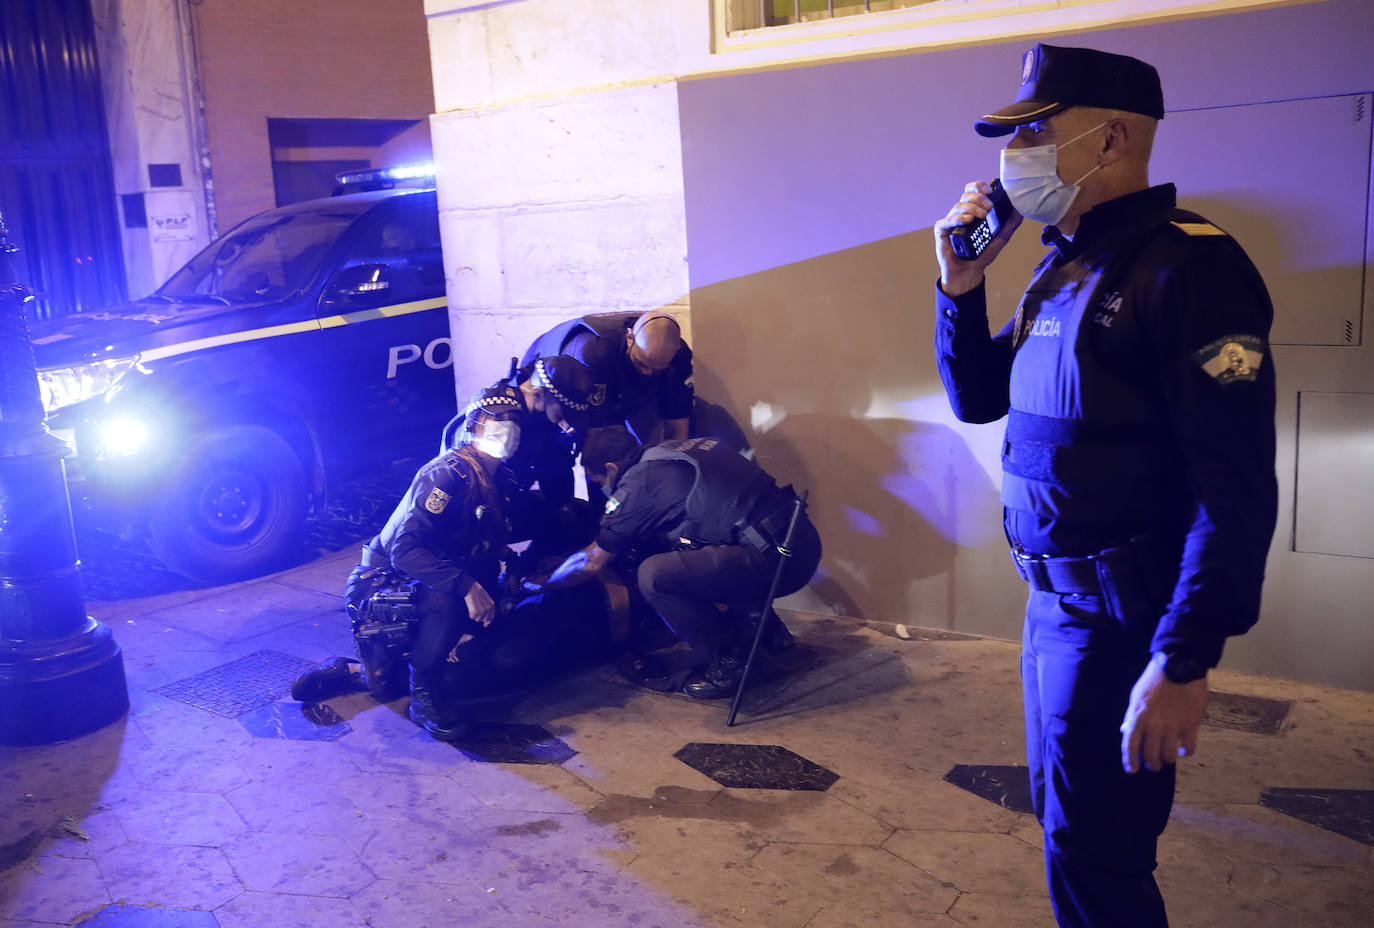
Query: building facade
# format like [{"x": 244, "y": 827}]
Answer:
[{"x": 775, "y": 186}]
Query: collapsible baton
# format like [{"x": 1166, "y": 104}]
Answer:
[{"x": 785, "y": 552}]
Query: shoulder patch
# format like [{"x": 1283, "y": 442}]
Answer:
[
  {"x": 612, "y": 504},
  {"x": 1197, "y": 228},
  {"x": 437, "y": 501},
  {"x": 1231, "y": 358}
]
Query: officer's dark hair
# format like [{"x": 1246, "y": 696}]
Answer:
[{"x": 610, "y": 444}]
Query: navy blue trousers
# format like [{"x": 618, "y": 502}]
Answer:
[{"x": 1101, "y": 824}]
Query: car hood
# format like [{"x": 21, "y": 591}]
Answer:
[{"x": 132, "y": 328}]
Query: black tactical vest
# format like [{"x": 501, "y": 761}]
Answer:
[
  {"x": 726, "y": 488},
  {"x": 1087, "y": 441}
]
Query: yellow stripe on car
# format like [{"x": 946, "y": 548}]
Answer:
[{"x": 293, "y": 328}]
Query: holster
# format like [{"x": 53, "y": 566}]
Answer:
[{"x": 384, "y": 630}]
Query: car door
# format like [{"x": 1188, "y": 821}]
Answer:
[{"x": 384, "y": 318}]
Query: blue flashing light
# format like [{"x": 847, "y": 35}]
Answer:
[{"x": 384, "y": 178}]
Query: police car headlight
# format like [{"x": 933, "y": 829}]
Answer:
[
  {"x": 122, "y": 438},
  {"x": 68, "y": 386}
]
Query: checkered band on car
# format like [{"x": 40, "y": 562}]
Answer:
[{"x": 542, "y": 379}]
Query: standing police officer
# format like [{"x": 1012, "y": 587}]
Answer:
[
  {"x": 641, "y": 362},
  {"x": 1139, "y": 491},
  {"x": 713, "y": 521}
]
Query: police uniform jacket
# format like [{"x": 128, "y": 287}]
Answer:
[
  {"x": 599, "y": 343},
  {"x": 1139, "y": 390},
  {"x": 434, "y": 538},
  {"x": 695, "y": 491}
]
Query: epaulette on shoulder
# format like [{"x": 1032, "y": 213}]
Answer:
[{"x": 1197, "y": 228}]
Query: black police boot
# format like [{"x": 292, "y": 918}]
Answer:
[
  {"x": 719, "y": 680},
  {"x": 776, "y": 637},
  {"x": 428, "y": 711},
  {"x": 334, "y": 677}
]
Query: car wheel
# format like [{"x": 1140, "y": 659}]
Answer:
[{"x": 235, "y": 509}]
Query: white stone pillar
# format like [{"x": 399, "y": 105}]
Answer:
[{"x": 558, "y": 150}]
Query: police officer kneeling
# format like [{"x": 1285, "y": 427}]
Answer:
[
  {"x": 714, "y": 520},
  {"x": 435, "y": 565}
]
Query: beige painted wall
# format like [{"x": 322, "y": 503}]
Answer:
[{"x": 557, "y": 136}]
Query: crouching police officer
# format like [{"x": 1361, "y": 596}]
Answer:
[
  {"x": 426, "y": 583},
  {"x": 715, "y": 520}
]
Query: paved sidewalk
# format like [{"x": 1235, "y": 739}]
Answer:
[{"x": 878, "y": 783}]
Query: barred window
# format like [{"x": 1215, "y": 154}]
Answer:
[{"x": 754, "y": 14}]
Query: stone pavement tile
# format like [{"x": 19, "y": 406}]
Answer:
[
  {"x": 52, "y": 889},
  {"x": 485, "y": 845},
  {"x": 1251, "y": 834},
  {"x": 725, "y": 894},
  {"x": 306, "y": 763},
  {"x": 248, "y": 610},
  {"x": 1029, "y": 831},
  {"x": 406, "y": 904},
  {"x": 544, "y": 788},
  {"x": 684, "y": 835},
  {"x": 975, "y": 863},
  {"x": 299, "y": 808},
  {"x": 115, "y": 611},
  {"x": 202, "y": 819},
  {"x": 170, "y": 876},
  {"x": 311, "y": 865},
  {"x": 555, "y": 897},
  {"x": 406, "y": 796},
  {"x": 1332, "y": 897},
  {"x": 178, "y": 725},
  {"x": 991, "y": 910},
  {"x": 102, "y": 832},
  {"x": 282, "y": 910},
  {"x": 190, "y": 768},
  {"x": 923, "y": 803},
  {"x": 844, "y": 915},
  {"x": 605, "y": 764},
  {"x": 383, "y": 740},
  {"x": 866, "y": 877},
  {"x": 316, "y": 638},
  {"x": 797, "y": 816},
  {"x": 325, "y": 574},
  {"x": 1352, "y": 706}
]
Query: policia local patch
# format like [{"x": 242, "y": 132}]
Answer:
[
  {"x": 437, "y": 501},
  {"x": 1231, "y": 358}
]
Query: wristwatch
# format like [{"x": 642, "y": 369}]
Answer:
[{"x": 1181, "y": 668}]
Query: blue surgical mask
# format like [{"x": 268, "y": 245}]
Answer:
[{"x": 1031, "y": 179}]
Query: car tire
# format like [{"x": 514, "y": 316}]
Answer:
[{"x": 234, "y": 509}]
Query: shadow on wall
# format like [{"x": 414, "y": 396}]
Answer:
[{"x": 828, "y": 367}]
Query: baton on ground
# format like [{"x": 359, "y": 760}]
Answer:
[{"x": 784, "y": 552}]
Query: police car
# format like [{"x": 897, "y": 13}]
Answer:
[{"x": 308, "y": 342}]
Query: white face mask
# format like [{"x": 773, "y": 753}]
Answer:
[
  {"x": 1031, "y": 179},
  {"x": 498, "y": 439}
]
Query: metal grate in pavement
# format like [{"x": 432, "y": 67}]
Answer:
[
  {"x": 1254, "y": 714},
  {"x": 239, "y": 686},
  {"x": 1008, "y": 785},
  {"x": 756, "y": 766}
]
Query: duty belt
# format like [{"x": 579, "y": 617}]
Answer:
[{"x": 1074, "y": 574}]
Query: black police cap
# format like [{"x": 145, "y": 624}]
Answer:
[
  {"x": 1054, "y": 79},
  {"x": 501, "y": 402}
]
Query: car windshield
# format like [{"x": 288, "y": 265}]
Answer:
[{"x": 264, "y": 258}]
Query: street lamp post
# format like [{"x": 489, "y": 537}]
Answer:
[{"x": 61, "y": 672}]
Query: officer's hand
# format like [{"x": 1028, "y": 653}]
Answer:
[
  {"x": 958, "y": 276},
  {"x": 1162, "y": 720},
  {"x": 453, "y": 652},
  {"x": 481, "y": 608}
]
